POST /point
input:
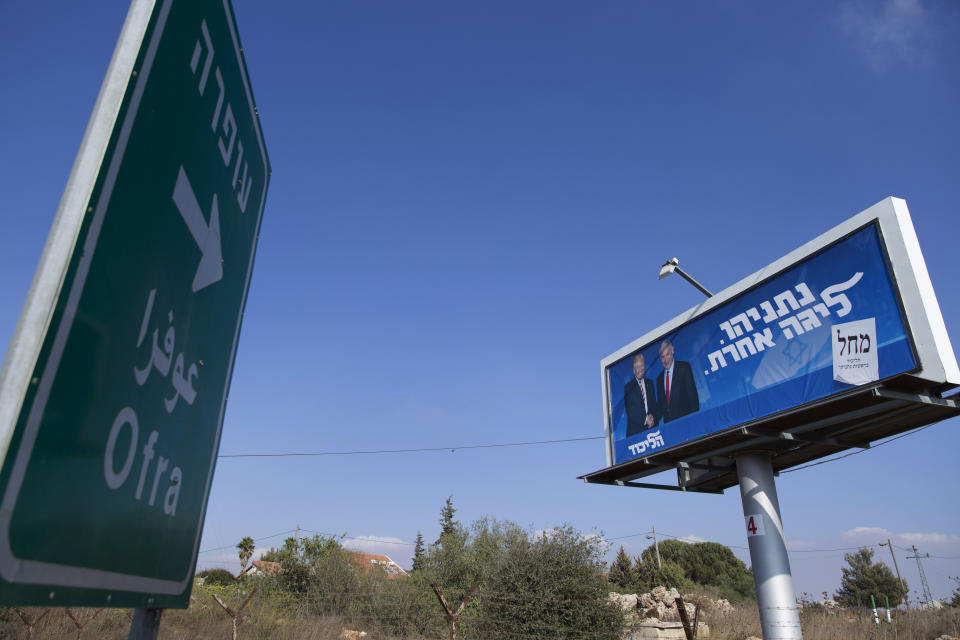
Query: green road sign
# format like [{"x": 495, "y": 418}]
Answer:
[{"x": 113, "y": 392}]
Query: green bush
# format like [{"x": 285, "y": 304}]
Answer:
[
  {"x": 708, "y": 564},
  {"x": 548, "y": 586},
  {"x": 402, "y": 607},
  {"x": 335, "y": 585},
  {"x": 217, "y": 576},
  {"x": 670, "y": 576},
  {"x": 862, "y": 578}
]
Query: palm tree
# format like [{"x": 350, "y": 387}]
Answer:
[{"x": 245, "y": 547}]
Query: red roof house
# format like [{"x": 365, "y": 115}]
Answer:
[{"x": 374, "y": 562}]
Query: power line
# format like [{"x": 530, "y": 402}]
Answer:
[
  {"x": 631, "y": 535},
  {"x": 870, "y": 546},
  {"x": 694, "y": 539},
  {"x": 853, "y": 453},
  {"x": 416, "y": 450},
  {"x": 731, "y": 546},
  {"x": 323, "y": 533},
  {"x": 452, "y": 449},
  {"x": 233, "y": 546},
  {"x": 691, "y": 539},
  {"x": 363, "y": 538},
  {"x": 932, "y": 556}
]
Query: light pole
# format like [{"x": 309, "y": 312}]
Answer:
[
  {"x": 673, "y": 264},
  {"x": 776, "y": 598},
  {"x": 656, "y": 548}
]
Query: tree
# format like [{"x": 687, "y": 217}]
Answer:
[
  {"x": 544, "y": 585},
  {"x": 955, "y": 600},
  {"x": 318, "y": 547},
  {"x": 418, "y": 550},
  {"x": 703, "y": 563},
  {"x": 288, "y": 552},
  {"x": 668, "y": 574},
  {"x": 548, "y": 585},
  {"x": 621, "y": 571},
  {"x": 864, "y": 577},
  {"x": 245, "y": 548},
  {"x": 450, "y": 562},
  {"x": 447, "y": 524},
  {"x": 307, "y": 562}
]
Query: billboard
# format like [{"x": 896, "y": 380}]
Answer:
[{"x": 851, "y": 309}]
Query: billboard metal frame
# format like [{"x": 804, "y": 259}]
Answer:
[{"x": 850, "y": 419}]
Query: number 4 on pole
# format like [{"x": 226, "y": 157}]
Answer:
[{"x": 754, "y": 524}]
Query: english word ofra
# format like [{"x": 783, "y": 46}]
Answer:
[
  {"x": 783, "y": 304},
  {"x": 150, "y": 476},
  {"x": 653, "y": 440},
  {"x": 116, "y": 479}
]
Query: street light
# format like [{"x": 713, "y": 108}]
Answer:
[
  {"x": 656, "y": 548},
  {"x": 672, "y": 265}
]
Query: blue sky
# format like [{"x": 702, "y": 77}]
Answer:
[{"x": 468, "y": 208}]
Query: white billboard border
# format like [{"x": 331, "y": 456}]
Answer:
[{"x": 926, "y": 330}]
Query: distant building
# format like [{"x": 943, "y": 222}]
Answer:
[
  {"x": 262, "y": 568},
  {"x": 373, "y": 562},
  {"x": 363, "y": 562}
]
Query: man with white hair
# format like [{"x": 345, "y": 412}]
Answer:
[
  {"x": 639, "y": 400},
  {"x": 676, "y": 389}
]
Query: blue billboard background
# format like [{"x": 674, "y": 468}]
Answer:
[{"x": 770, "y": 348}]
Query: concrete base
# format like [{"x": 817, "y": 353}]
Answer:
[{"x": 663, "y": 631}]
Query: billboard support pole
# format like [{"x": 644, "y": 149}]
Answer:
[{"x": 776, "y": 598}]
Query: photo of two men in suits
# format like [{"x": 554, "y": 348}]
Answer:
[{"x": 675, "y": 395}]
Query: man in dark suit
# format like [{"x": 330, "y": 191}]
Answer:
[
  {"x": 676, "y": 388},
  {"x": 639, "y": 400}
]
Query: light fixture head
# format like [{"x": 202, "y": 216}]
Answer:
[{"x": 668, "y": 267}]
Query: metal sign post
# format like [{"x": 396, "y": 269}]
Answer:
[
  {"x": 779, "y": 617},
  {"x": 145, "y": 624}
]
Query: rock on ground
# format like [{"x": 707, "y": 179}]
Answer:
[{"x": 626, "y": 601}]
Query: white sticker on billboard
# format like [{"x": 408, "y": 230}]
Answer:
[{"x": 855, "y": 352}]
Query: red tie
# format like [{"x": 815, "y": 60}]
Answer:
[{"x": 668, "y": 388}]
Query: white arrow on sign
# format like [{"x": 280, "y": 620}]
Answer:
[{"x": 206, "y": 236}]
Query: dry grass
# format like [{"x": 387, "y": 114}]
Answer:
[
  {"x": 265, "y": 617},
  {"x": 286, "y": 619},
  {"x": 845, "y": 625}
]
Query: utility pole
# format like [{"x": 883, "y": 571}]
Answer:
[
  {"x": 903, "y": 586},
  {"x": 927, "y": 596},
  {"x": 656, "y": 548}
]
